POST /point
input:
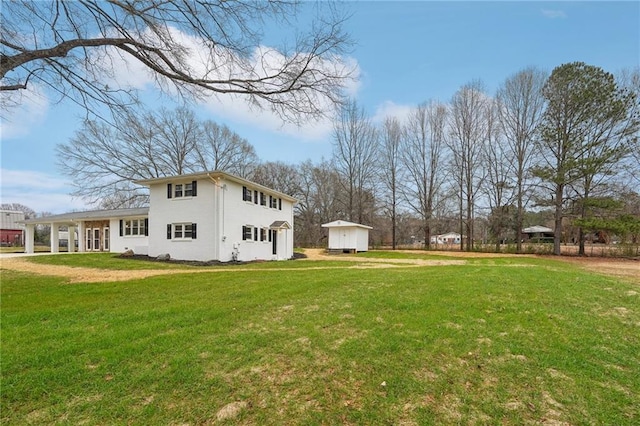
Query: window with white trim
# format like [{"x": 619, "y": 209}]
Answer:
[
  {"x": 273, "y": 202},
  {"x": 181, "y": 231},
  {"x": 182, "y": 190},
  {"x": 263, "y": 234},
  {"x": 247, "y": 233},
  {"x": 134, "y": 227},
  {"x": 263, "y": 199},
  {"x": 247, "y": 194}
]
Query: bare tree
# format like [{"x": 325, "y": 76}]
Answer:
[
  {"x": 422, "y": 155},
  {"x": 317, "y": 201},
  {"x": 520, "y": 105},
  {"x": 102, "y": 160},
  {"x": 355, "y": 150},
  {"x": 29, "y": 213},
  {"x": 468, "y": 134},
  {"x": 219, "y": 148},
  {"x": 279, "y": 176},
  {"x": 499, "y": 186},
  {"x": 189, "y": 47},
  {"x": 391, "y": 170}
]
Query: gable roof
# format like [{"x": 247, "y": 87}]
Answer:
[
  {"x": 344, "y": 224},
  {"x": 213, "y": 175},
  {"x": 91, "y": 215},
  {"x": 280, "y": 224}
]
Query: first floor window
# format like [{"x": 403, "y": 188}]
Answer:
[
  {"x": 247, "y": 233},
  {"x": 133, "y": 227},
  {"x": 263, "y": 234},
  {"x": 181, "y": 231}
]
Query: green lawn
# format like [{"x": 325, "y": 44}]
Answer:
[{"x": 498, "y": 341}]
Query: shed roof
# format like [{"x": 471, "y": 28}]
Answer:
[
  {"x": 344, "y": 224},
  {"x": 536, "y": 229},
  {"x": 90, "y": 215}
]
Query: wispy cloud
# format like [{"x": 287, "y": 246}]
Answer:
[
  {"x": 24, "y": 109},
  {"x": 389, "y": 109},
  {"x": 238, "y": 108},
  {"x": 39, "y": 191},
  {"x": 554, "y": 14}
]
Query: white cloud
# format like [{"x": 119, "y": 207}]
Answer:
[
  {"x": 554, "y": 14},
  {"x": 23, "y": 109},
  {"x": 41, "y": 192},
  {"x": 392, "y": 110},
  {"x": 236, "y": 107}
]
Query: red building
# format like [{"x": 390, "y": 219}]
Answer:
[{"x": 11, "y": 228}]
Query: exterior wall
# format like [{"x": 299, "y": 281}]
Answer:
[
  {"x": 239, "y": 213},
  {"x": 121, "y": 243},
  {"x": 342, "y": 237},
  {"x": 362, "y": 239},
  {"x": 199, "y": 210},
  {"x": 11, "y": 237},
  {"x": 220, "y": 213}
]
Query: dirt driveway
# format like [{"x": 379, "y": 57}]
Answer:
[{"x": 628, "y": 269}]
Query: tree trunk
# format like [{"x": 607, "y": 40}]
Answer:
[{"x": 557, "y": 233}]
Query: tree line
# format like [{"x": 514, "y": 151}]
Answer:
[{"x": 565, "y": 142}]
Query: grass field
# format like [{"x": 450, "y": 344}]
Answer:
[{"x": 509, "y": 340}]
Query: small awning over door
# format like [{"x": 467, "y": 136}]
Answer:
[{"x": 280, "y": 224}]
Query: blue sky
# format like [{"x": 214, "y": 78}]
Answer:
[{"x": 406, "y": 53}]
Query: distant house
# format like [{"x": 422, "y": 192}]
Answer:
[
  {"x": 11, "y": 228},
  {"x": 347, "y": 237},
  {"x": 449, "y": 238},
  {"x": 200, "y": 216},
  {"x": 537, "y": 234}
]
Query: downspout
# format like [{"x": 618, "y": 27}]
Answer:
[{"x": 219, "y": 214}]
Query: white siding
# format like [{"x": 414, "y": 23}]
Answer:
[
  {"x": 118, "y": 244},
  {"x": 165, "y": 211},
  {"x": 239, "y": 213},
  {"x": 348, "y": 238},
  {"x": 220, "y": 213}
]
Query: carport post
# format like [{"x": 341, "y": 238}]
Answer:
[{"x": 29, "y": 236}]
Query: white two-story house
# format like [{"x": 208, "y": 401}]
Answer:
[{"x": 201, "y": 216}]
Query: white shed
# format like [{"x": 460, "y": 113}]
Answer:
[{"x": 347, "y": 236}]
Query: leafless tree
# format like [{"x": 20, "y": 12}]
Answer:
[
  {"x": 354, "y": 152},
  {"x": 279, "y": 176},
  {"x": 102, "y": 160},
  {"x": 499, "y": 183},
  {"x": 189, "y": 47},
  {"x": 520, "y": 105},
  {"x": 468, "y": 134},
  {"x": 317, "y": 201},
  {"x": 422, "y": 156},
  {"x": 222, "y": 149},
  {"x": 390, "y": 169},
  {"x": 29, "y": 213}
]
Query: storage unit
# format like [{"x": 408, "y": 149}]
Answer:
[{"x": 347, "y": 237}]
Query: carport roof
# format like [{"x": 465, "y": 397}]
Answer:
[{"x": 90, "y": 215}]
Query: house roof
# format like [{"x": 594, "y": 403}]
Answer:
[
  {"x": 90, "y": 215},
  {"x": 214, "y": 175},
  {"x": 344, "y": 224},
  {"x": 536, "y": 229}
]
